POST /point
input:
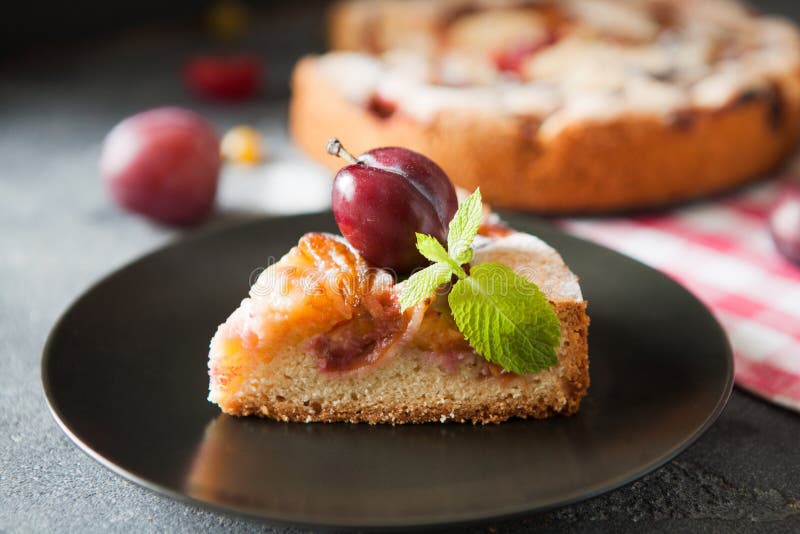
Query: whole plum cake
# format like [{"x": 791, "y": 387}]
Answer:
[{"x": 573, "y": 106}]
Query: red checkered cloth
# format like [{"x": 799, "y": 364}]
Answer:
[{"x": 722, "y": 252}]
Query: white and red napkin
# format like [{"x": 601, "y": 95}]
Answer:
[{"x": 722, "y": 252}]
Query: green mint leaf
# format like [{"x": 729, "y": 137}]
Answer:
[
  {"x": 430, "y": 247},
  {"x": 422, "y": 283},
  {"x": 464, "y": 228},
  {"x": 506, "y": 318}
]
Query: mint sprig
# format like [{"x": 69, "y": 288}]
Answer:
[
  {"x": 464, "y": 227},
  {"x": 422, "y": 283},
  {"x": 504, "y": 317}
]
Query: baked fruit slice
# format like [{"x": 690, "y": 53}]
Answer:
[
  {"x": 326, "y": 335},
  {"x": 336, "y": 347},
  {"x": 561, "y": 107}
]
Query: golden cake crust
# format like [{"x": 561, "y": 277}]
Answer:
[
  {"x": 632, "y": 161},
  {"x": 485, "y": 399}
]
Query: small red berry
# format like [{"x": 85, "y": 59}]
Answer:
[{"x": 235, "y": 77}]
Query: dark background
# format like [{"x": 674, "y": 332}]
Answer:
[{"x": 25, "y": 25}]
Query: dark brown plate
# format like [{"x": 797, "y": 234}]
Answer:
[{"x": 124, "y": 372}]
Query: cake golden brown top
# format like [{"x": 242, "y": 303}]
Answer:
[{"x": 560, "y": 62}]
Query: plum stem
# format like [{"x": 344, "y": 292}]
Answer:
[{"x": 335, "y": 148}]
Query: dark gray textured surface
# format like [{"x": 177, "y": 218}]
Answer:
[{"x": 59, "y": 233}]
